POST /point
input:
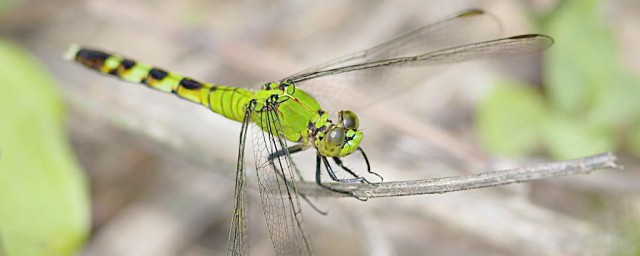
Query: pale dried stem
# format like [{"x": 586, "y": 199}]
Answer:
[{"x": 585, "y": 165}]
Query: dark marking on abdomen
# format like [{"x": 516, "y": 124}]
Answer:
[
  {"x": 190, "y": 84},
  {"x": 158, "y": 74},
  {"x": 127, "y": 64},
  {"x": 91, "y": 58}
]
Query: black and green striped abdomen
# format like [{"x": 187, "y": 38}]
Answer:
[{"x": 225, "y": 100}]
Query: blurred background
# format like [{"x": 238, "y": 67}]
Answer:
[{"x": 92, "y": 166}]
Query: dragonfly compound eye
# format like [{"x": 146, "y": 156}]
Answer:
[
  {"x": 335, "y": 137},
  {"x": 348, "y": 119}
]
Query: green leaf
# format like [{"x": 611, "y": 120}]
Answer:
[
  {"x": 8, "y": 4},
  {"x": 567, "y": 138},
  {"x": 44, "y": 207},
  {"x": 616, "y": 104},
  {"x": 627, "y": 242},
  {"x": 510, "y": 120},
  {"x": 583, "y": 74}
]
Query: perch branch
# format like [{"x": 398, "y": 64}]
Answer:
[{"x": 585, "y": 165}]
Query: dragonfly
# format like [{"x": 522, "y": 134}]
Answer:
[{"x": 285, "y": 112}]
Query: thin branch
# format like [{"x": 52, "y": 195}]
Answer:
[{"x": 585, "y": 165}]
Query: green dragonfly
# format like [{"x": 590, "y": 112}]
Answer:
[{"x": 282, "y": 112}]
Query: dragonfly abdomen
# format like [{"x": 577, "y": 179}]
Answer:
[
  {"x": 225, "y": 100},
  {"x": 228, "y": 101}
]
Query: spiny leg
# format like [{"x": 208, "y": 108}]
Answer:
[
  {"x": 320, "y": 158},
  {"x": 292, "y": 150},
  {"x": 319, "y": 180},
  {"x": 366, "y": 160},
  {"x": 339, "y": 162},
  {"x": 333, "y": 176}
]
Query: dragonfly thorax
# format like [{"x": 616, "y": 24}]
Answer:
[{"x": 305, "y": 122}]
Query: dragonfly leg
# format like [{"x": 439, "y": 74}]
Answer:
[
  {"x": 341, "y": 164},
  {"x": 292, "y": 150},
  {"x": 319, "y": 181},
  {"x": 366, "y": 160},
  {"x": 333, "y": 177}
]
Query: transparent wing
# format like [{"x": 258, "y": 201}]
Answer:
[
  {"x": 277, "y": 189},
  {"x": 367, "y": 76},
  {"x": 237, "y": 243},
  {"x": 466, "y": 27},
  {"x": 496, "y": 48}
]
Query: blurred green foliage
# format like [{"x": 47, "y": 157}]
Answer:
[
  {"x": 628, "y": 243},
  {"x": 589, "y": 103},
  {"x": 522, "y": 121},
  {"x": 7, "y": 4},
  {"x": 44, "y": 208}
]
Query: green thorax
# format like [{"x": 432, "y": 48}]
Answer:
[{"x": 299, "y": 113}]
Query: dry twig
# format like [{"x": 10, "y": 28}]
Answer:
[{"x": 585, "y": 165}]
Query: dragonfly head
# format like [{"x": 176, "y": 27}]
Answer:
[{"x": 340, "y": 139}]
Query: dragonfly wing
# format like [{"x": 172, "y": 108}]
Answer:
[
  {"x": 495, "y": 48},
  {"x": 238, "y": 244},
  {"x": 279, "y": 196},
  {"x": 392, "y": 66},
  {"x": 466, "y": 27}
]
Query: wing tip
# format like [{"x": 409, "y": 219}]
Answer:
[
  {"x": 470, "y": 13},
  {"x": 547, "y": 41}
]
